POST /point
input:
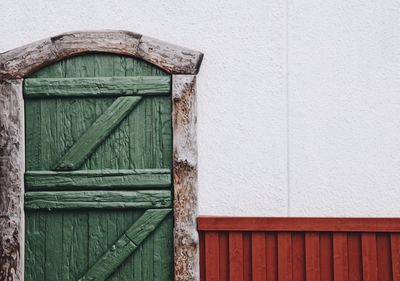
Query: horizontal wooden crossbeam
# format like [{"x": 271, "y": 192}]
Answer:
[
  {"x": 97, "y": 86},
  {"x": 97, "y": 199},
  {"x": 97, "y": 179},
  {"x": 206, "y": 223}
]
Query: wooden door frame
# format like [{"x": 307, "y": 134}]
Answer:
[{"x": 183, "y": 64}]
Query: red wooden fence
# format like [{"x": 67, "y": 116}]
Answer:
[{"x": 299, "y": 249}]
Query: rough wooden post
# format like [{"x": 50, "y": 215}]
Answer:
[
  {"x": 11, "y": 180},
  {"x": 185, "y": 177}
]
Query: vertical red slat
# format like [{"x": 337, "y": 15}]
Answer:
[
  {"x": 384, "y": 257},
  {"x": 236, "y": 256},
  {"x": 369, "y": 257},
  {"x": 202, "y": 256},
  {"x": 326, "y": 255},
  {"x": 259, "y": 257},
  {"x": 313, "y": 271},
  {"x": 223, "y": 256},
  {"x": 354, "y": 257},
  {"x": 298, "y": 256},
  {"x": 271, "y": 242},
  {"x": 284, "y": 256},
  {"x": 340, "y": 256},
  {"x": 247, "y": 256},
  {"x": 395, "y": 247},
  {"x": 212, "y": 256}
]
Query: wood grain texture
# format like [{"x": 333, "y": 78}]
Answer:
[
  {"x": 125, "y": 245},
  {"x": 98, "y": 179},
  {"x": 96, "y": 87},
  {"x": 142, "y": 140},
  {"x": 185, "y": 177},
  {"x": 86, "y": 236},
  {"x": 96, "y": 134},
  {"x": 11, "y": 180},
  {"x": 24, "y": 60},
  {"x": 97, "y": 199}
]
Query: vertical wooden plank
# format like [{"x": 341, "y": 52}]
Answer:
[
  {"x": 258, "y": 256},
  {"x": 298, "y": 253},
  {"x": 35, "y": 251},
  {"x": 236, "y": 256},
  {"x": 223, "y": 255},
  {"x": 369, "y": 257},
  {"x": 384, "y": 257},
  {"x": 271, "y": 241},
  {"x": 340, "y": 256},
  {"x": 136, "y": 261},
  {"x": 354, "y": 257},
  {"x": 284, "y": 256},
  {"x": 202, "y": 256},
  {"x": 395, "y": 248},
  {"x": 54, "y": 246},
  {"x": 165, "y": 109},
  {"x": 313, "y": 271},
  {"x": 247, "y": 261},
  {"x": 326, "y": 255},
  {"x": 162, "y": 251},
  {"x": 212, "y": 256},
  {"x": 148, "y": 258},
  {"x": 32, "y": 134}
]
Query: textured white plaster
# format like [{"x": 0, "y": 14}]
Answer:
[
  {"x": 241, "y": 86},
  {"x": 341, "y": 75},
  {"x": 344, "y": 104}
]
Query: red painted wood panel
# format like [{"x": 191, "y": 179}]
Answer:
[
  {"x": 287, "y": 251},
  {"x": 259, "y": 256},
  {"x": 354, "y": 256},
  {"x": 340, "y": 256},
  {"x": 236, "y": 262},
  {"x": 272, "y": 256},
  {"x": 395, "y": 251},
  {"x": 284, "y": 256},
  {"x": 298, "y": 256},
  {"x": 326, "y": 255},
  {"x": 369, "y": 257},
  {"x": 313, "y": 272}
]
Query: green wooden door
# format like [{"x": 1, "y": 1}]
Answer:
[{"x": 98, "y": 171}]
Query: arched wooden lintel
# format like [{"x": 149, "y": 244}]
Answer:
[{"x": 18, "y": 63}]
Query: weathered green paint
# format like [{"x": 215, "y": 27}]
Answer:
[
  {"x": 97, "y": 199},
  {"x": 98, "y": 179},
  {"x": 95, "y": 135},
  {"x": 125, "y": 245},
  {"x": 95, "y": 87},
  {"x": 129, "y": 168}
]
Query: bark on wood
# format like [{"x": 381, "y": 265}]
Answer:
[
  {"x": 185, "y": 178},
  {"x": 22, "y": 61},
  {"x": 11, "y": 180}
]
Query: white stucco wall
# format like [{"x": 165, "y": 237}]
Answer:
[{"x": 299, "y": 100}]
